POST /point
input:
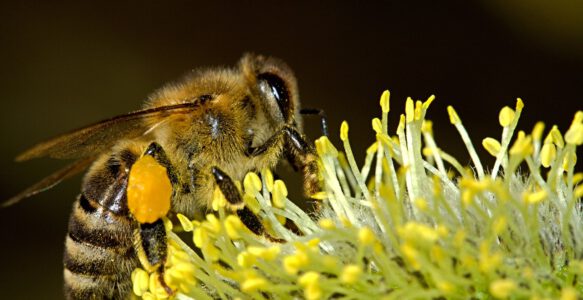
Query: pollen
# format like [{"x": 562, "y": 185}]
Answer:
[
  {"x": 548, "y": 154},
  {"x": 446, "y": 287},
  {"x": 459, "y": 238},
  {"x": 366, "y": 236},
  {"x": 401, "y": 223},
  {"x": 293, "y": 263},
  {"x": 233, "y": 226},
  {"x": 537, "y": 131},
  {"x": 377, "y": 125},
  {"x": 453, "y": 116},
  {"x": 325, "y": 147},
  {"x": 311, "y": 283},
  {"x": 268, "y": 178},
  {"x": 385, "y": 101},
  {"x": 428, "y": 102},
  {"x": 421, "y": 204},
  {"x": 506, "y": 116},
  {"x": 313, "y": 292},
  {"x": 578, "y": 117},
  {"x": 245, "y": 259},
  {"x": 384, "y": 139},
  {"x": 578, "y": 192},
  {"x": 252, "y": 183},
  {"x": 319, "y": 196},
  {"x": 219, "y": 199},
  {"x": 409, "y": 110},
  {"x": 577, "y": 177},
  {"x": 522, "y": 146},
  {"x": 140, "y": 281},
  {"x": 180, "y": 274},
  {"x": 574, "y": 135},
  {"x": 211, "y": 252},
  {"x": 569, "y": 293},
  {"x": 499, "y": 225},
  {"x": 535, "y": 197},
  {"x": 350, "y": 274},
  {"x": 492, "y": 146},
  {"x": 411, "y": 255},
  {"x": 268, "y": 254},
  {"x": 309, "y": 278},
  {"x": 327, "y": 224},
  {"x": 488, "y": 261},
  {"x": 419, "y": 110},
  {"x": 200, "y": 237},
  {"x": 413, "y": 231},
  {"x": 427, "y": 127},
  {"x": 279, "y": 194},
  {"x": 253, "y": 284},
  {"x": 557, "y": 137},
  {"x": 502, "y": 288},
  {"x": 149, "y": 190},
  {"x": 212, "y": 224},
  {"x": 185, "y": 223},
  {"x": 251, "y": 202},
  {"x": 428, "y": 152},
  {"x": 149, "y": 296},
  {"x": 344, "y": 131}
]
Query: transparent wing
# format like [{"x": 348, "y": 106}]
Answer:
[
  {"x": 99, "y": 137},
  {"x": 51, "y": 180}
]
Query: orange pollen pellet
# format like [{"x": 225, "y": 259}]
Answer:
[{"x": 149, "y": 190}]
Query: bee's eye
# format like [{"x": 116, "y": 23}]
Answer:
[{"x": 274, "y": 88}]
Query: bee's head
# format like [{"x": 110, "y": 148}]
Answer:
[{"x": 276, "y": 88}]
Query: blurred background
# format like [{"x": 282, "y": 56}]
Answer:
[{"x": 67, "y": 64}]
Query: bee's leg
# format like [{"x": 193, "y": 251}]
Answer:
[
  {"x": 152, "y": 249},
  {"x": 320, "y": 113},
  {"x": 151, "y": 240},
  {"x": 256, "y": 151},
  {"x": 227, "y": 187},
  {"x": 233, "y": 196},
  {"x": 158, "y": 153},
  {"x": 302, "y": 157}
]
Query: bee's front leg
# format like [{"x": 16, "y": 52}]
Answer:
[
  {"x": 231, "y": 193},
  {"x": 149, "y": 194},
  {"x": 302, "y": 157}
]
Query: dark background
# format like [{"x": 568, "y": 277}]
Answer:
[{"x": 68, "y": 64}]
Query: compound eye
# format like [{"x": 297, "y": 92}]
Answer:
[{"x": 275, "y": 90}]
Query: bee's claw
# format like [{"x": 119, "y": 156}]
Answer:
[{"x": 164, "y": 285}]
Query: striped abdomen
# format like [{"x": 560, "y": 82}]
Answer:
[{"x": 99, "y": 252}]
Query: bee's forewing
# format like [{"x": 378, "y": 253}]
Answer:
[
  {"x": 99, "y": 137},
  {"x": 51, "y": 180}
]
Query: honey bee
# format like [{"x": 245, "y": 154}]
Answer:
[{"x": 204, "y": 131}]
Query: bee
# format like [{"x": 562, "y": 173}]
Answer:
[{"x": 205, "y": 131}]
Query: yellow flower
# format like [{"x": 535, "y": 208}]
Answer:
[
  {"x": 502, "y": 288},
  {"x": 350, "y": 274},
  {"x": 411, "y": 221}
]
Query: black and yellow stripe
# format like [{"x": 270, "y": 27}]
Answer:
[{"x": 99, "y": 250}]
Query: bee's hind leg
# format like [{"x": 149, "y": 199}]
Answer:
[
  {"x": 151, "y": 238},
  {"x": 152, "y": 249},
  {"x": 231, "y": 193},
  {"x": 158, "y": 153}
]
